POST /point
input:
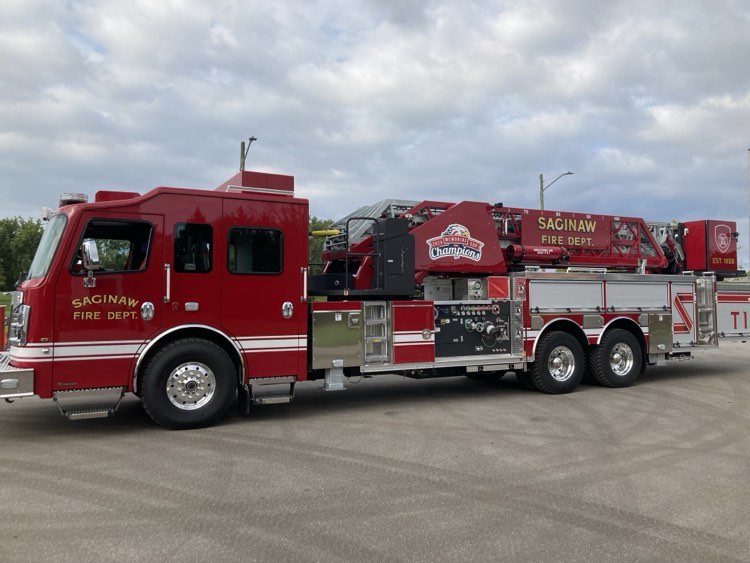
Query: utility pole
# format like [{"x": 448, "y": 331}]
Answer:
[
  {"x": 244, "y": 151},
  {"x": 542, "y": 187}
]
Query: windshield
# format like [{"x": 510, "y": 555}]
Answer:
[{"x": 47, "y": 247}]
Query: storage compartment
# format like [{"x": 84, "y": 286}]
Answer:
[
  {"x": 337, "y": 335},
  {"x": 660, "y": 333}
]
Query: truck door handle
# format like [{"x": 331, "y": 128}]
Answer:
[
  {"x": 287, "y": 309},
  {"x": 168, "y": 296}
]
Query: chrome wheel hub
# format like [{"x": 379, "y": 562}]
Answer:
[
  {"x": 621, "y": 359},
  {"x": 561, "y": 363},
  {"x": 191, "y": 385}
]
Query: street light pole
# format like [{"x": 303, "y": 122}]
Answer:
[{"x": 542, "y": 187}]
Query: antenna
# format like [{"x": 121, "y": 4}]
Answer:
[{"x": 244, "y": 151}]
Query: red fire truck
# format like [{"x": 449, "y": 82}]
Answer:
[{"x": 191, "y": 298}]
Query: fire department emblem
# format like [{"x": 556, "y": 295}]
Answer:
[
  {"x": 723, "y": 236},
  {"x": 455, "y": 242}
]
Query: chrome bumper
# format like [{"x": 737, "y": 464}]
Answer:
[{"x": 15, "y": 382}]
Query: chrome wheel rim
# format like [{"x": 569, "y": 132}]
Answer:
[
  {"x": 621, "y": 359},
  {"x": 190, "y": 386},
  {"x": 561, "y": 363}
]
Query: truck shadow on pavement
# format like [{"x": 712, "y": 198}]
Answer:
[{"x": 32, "y": 418}]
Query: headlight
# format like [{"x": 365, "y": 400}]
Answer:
[{"x": 19, "y": 325}]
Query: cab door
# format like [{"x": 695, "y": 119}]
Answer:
[
  {"x": 192, "y": 230},
  {"x": 262, "y": 302},
  {"x": 102, "y": 318}
]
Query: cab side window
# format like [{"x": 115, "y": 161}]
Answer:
[
  {"x": 254, "y": 251},
  {"x": 193, "y": 248},
  {"x": 122, "y": 246}
]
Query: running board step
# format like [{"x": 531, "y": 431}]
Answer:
[
  {"x": 80, "y": 404},
  {"x": 266, "y": 391},
  {"x": 272, "y": 399},
  {"x": 92, "y": 412}
]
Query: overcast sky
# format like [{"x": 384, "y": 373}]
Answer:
[{"x": 648, "y": 103}]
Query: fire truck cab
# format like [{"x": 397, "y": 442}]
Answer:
[{"x": 206, "y": 290}]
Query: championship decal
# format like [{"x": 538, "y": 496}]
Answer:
[{"x": 456, "y": 242}]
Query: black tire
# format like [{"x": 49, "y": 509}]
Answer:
[
  {"x": 487, "y": 376},
  {"x": 190, "y": 383},
  {"x": 558, "y": 365},
  {"x": 524, "y": 380},
  {"x": 588, "y": 377},
  {"x": 617, "y": 361}
]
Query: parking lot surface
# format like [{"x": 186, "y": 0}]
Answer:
[{"x": 397, "y": 470}]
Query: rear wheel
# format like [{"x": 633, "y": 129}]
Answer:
[
  {"x": 189, "y": 383},
  {"x": 617, "y": 361},
  {"x": 559, "y": 363}
]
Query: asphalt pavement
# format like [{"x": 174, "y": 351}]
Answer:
[{"x": 394, "y": 469}]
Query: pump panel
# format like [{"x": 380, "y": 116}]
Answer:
[{"x": 470, "y": 328}]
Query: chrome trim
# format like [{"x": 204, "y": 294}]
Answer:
[
  {"x": 593, "y": 321},
  {"x": 251, "y": 189},
  {"x": 79, "y": 404},
  {"x": 510, "y": 361},
  {"x": 533, "y": 275},
  {"x": 732, "y": 286},
  {"x": 190, "y": 386},
  {"x": 631, "y": 321},
  {"x": 168, "y": 296},
  {"x": 15, "y": 382},
  {"x": 154, "y": 341},
  {"x": 551, "y": 323},
  {"x": 621, "y": 359},
  {"x": 516, "y": 327},
  {"x": 19, "y": 325},
  {"x": 304, "y": 284},
  {"x": 16, "y": 298},
  {"x": 272, "y": 380},
  {"x": 287, "y": 309},
  {"x": 147, "y": 311},
  {"x": 561, "y": 363}
]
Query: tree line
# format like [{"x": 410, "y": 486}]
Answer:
[{"x": 19, "y": 238}]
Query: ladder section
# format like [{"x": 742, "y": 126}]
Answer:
[
  {"x": 705, "y": 296},
  {"x": 377, "y": 338}
]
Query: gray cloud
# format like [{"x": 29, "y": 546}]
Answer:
[{"x": 648, "y": 102}]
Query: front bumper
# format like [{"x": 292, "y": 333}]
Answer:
[{"x": 15, "y": 382}]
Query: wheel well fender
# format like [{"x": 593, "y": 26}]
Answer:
[
  {"x": 187, "y": 331},
  {"x": 562, "y": 325}
]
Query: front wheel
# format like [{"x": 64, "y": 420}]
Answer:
[
  {"x": 617, "y": 361},
  {"x": 559, "y": 364},
  {"x": 190, "y": 383}
]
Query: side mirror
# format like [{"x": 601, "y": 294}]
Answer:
[{"x": 89, "y": 255}]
